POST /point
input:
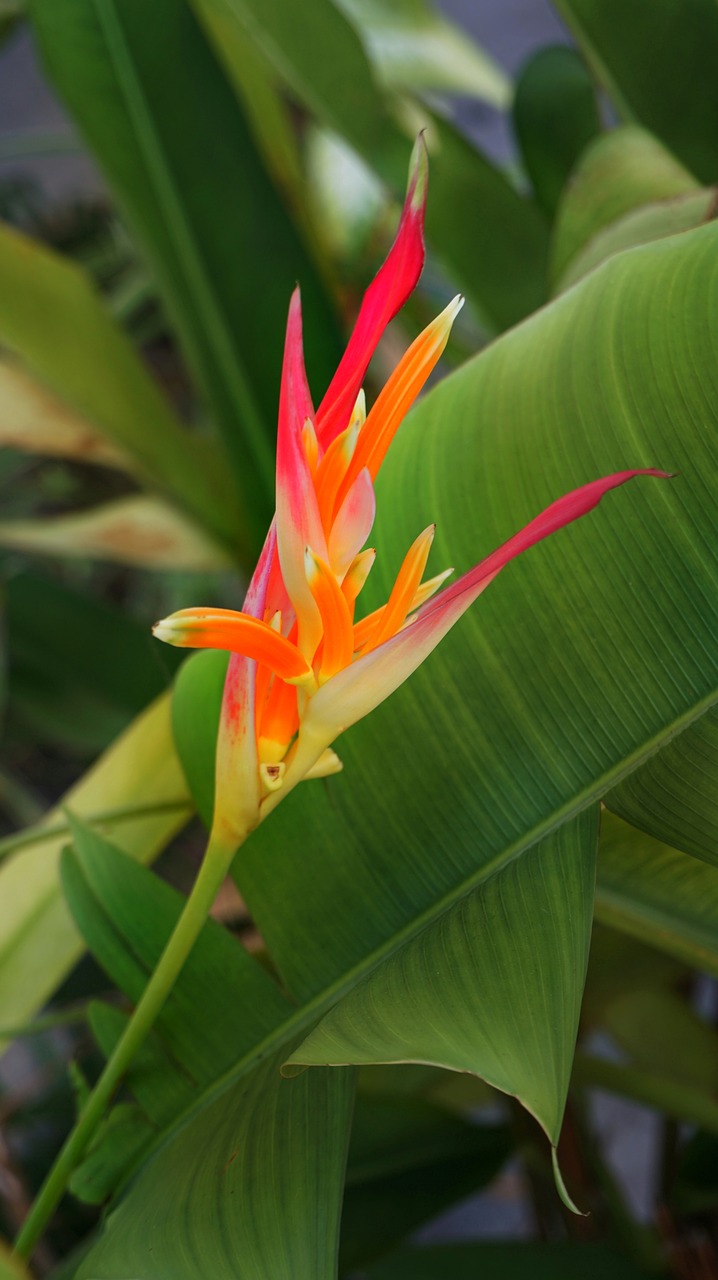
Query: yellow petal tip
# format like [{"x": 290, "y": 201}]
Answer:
[
  {"x": 327, "y": 765},
  {"x": 169, "y": 630}
]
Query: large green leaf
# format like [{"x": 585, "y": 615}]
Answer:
[
  {"x": 657, "y": 59},
  {"x": 549, "y": 691},
  {"x": 478, "y": 990},
  {"x": 656, "y": 894},
  {"x": 583, "y": 658},
  {"x": 674, "y": 796},
  {"x": 57, "y": 327},
  {"x": 203, "y": 209},
  {"x": 137, "y": 793},
  {"x": 251, "y": 1187},
  {"x": 280, "y": 1150},
  {"x": 494, "y": 242}
]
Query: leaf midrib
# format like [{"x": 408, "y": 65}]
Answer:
[
  {"x": 318, "y": 1005},
  {"x": 208, "y": 304}
]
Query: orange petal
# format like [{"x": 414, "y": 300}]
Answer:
[
  {"x": 357, "y": 574},
  {"x": 278, "y": 722},
  {"x": 338, "y": 642},
  {"x": 397, "y": 396},
  {"x": 238, "y": 633},
  {"x": 262, "y": 682},
  {"x": 334, "y": 464},
  {"x": 402, "y": 594},
  {"x": 366, "y": 629}
]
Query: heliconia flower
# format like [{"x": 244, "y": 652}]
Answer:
[{"x": 303, "y": 668}]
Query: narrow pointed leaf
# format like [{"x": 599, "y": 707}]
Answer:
[
  {"x": 175, "y": 160},
  {"x": 457, "y": 994},
  {"x": 319, "y": 57},
  {"x": 60, "y": 334}
]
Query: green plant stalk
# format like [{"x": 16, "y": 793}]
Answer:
[
  {"x": 40, "y": 834},
  {"x": 68, "y": 1018},
  {"x": 216, "y": 864},
  {"x": 639, "y": 1241},
  {"x": 652, "y": 1090}
]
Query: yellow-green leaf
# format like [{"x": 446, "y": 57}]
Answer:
[
  {"x": 136, "y": 792},
  {"x": 139, "y": 530}
]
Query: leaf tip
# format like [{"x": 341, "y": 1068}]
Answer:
[{"x": 561, "y": 1187}]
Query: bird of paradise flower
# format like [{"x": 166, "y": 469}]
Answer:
[{"x": 302, "y": 668}]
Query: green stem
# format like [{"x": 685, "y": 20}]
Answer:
[
  {"x": 215, "y": 866},
  {"x": 67, "y": 1018},
  {"x": 44, "y": 834},
  {"x": 649, "y": 1088}
]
